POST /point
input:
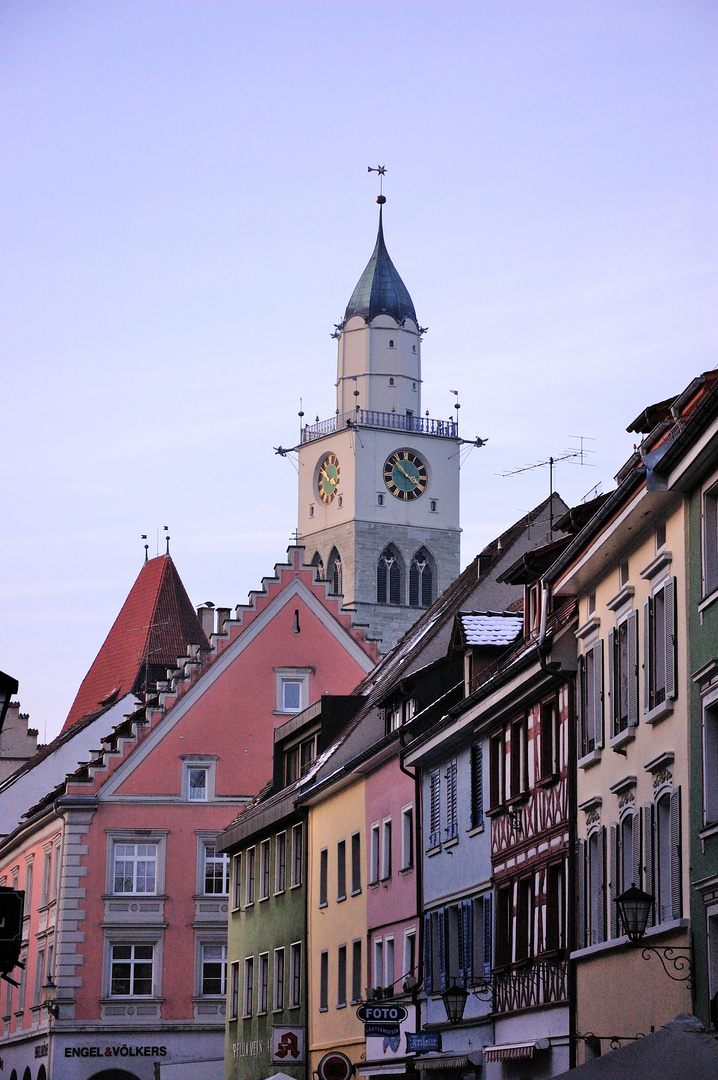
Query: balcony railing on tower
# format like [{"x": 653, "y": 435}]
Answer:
[{"x": 421, "y": 425}]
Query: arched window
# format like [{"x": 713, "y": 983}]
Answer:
[
  {"x": 664, "y": 906},
  {"x": 319, "y": 563},
  {"x": 421, "y": 580},
  {"x": 389, "y": 576},
  {"x": 42, "y": 1073},
  {"x": 334, "y": 574}
]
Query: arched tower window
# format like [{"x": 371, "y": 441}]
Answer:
[
  {"x": 421, "y": 579},
  {"x": 389, "y": 576},
  {"x": 319, "y": 563},
  {"x": 334, "y": 572}
]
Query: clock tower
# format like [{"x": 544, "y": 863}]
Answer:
[{"x": 379, "y": 482}]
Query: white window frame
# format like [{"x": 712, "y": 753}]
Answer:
[
  {"x": 263, "y": 984},
  {"x": 155, "y": 837},
  {"x": 234, "y": 990},
  {"x": 248, "y": 988},
  {"x": 295, "y": 975},
  {"x": 265, "y": 869},
  {"x": 709, "y": 538},
  {"x": 280, "y": 871},
  {"x": 389, "y": 961},
  {"x": 250, "y": 876},
  {"x": 135, "y": 935},
  {"x": 209, "y": 840},
  {"x": 279, "y": 980},
  {"x": 407, "y": 838},
  {"x": 709, "y": 709},
  {"x": 409, "y": 950},
  {"x": 237, "y": 882},
  {"x": 199, "y": 762},
  {"x": 378, "y": 972},
  {"x": 386, "y": 849},
  {"x": 297, "y": 856},
  {"x": 374, "y": 853},
  {"x": 210, "y": 943},
  {"x": 292, "y": 675}
]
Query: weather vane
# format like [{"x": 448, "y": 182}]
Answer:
[{"x": 381, "y": 170}]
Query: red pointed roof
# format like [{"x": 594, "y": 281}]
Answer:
[{"x": 156, "y": 624}]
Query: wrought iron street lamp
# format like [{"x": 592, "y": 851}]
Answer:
[
  {"x": 454, "y": 998},
  {"x": 634, "y": 908},
  {"x": 49, "y": 993}
]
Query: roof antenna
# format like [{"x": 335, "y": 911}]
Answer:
[{"x": 147, "y": 546}]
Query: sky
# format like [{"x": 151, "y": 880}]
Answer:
[{"x": 185, "y": 209}]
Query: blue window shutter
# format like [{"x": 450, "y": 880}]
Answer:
[
  {"x": 428, "y": 974},
  {"x": 477, "y": 802},
  {"x": 488, "y": 926}
]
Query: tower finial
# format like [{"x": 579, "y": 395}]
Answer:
[{"x": 381, "y": 170}]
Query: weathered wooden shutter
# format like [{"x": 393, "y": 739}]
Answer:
[
  {"x": 647, "y": 659},
  {"x": 637, "y": 848},
  {"x": 477, "y": 793},
  {"x": 601, "y": 874},
  {"x": 581, "y": 874},
  {"x": 428, "y": 955},
  {"x": 451, "y": 807},
  {"x": 669, "y": 609},
  {"x": 443, "y": 947},
  {"x": 488, "y": 927},
  {"x": 648, "y": 855},
  {"x": 613, "y": 697},
  {"x": 580, "y": 710},
  {"x": 615, "y": 875},
  {"x": 598, "y": 692},
  {"x": 632, "y": 669},
  {"x": 435, "y": 808},
  {"x": 676, "y": 904},
  {"x": 466, "y": 953}
]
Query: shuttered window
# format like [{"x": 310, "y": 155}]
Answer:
[
  {"x": 452, "y": 825},
  {"x": 435, "y": 808},
  {"x": 477, "y": 792},
  {"x": 623, "y": 674},
  {"x": 590, "y": 699},
  {"x": 660, "y": 646}
]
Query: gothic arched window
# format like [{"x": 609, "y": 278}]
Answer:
[
  {"x": 389, "y": 576},
  {"x": 334, "y": 572},
  {"x": 319, "y": 563},
  {"x": 421, "y": 580}
]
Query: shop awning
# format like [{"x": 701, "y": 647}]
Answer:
[
  {"x": 504, "y": 1051},
  {"x": 441, "y": 1061}
]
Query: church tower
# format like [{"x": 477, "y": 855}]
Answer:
[{"x": 379, "y": 482}]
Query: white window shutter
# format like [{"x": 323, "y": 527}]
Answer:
[
  {"x": 676, "y": 854},
  {"x": 648, "y": 855},
  {"x": 670, "y": 632},
  {"x": 598, "y": 692},
  {"x": 633, "y": 669}
]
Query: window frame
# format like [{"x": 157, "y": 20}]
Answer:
[
  {"x": 250, "y": 876},
  {"x": 300, "y": 675},
  {"x": 407, "y": 838},
  {"x": 709, "y": 538},
  {"x": 280, "y": 864},
  {"x": 248, "y": 988},
  {"x": 295, "y": 974},
  {"x": 356, "y": 863},
  {"x": 278, "y": 980},
  {"x": 341, "y": 870},
  {"x": 136, "y": 837},
  {"x": 265, "y": 873},
  {"x": 205, "y": 842},
  {"x": 205, "y": 763},
  {"x": 297, "y": 855},
  {"x": 263, "y": 984},
  {"x": 374, "y": 853},
  {"x": 203, "y": 962}
]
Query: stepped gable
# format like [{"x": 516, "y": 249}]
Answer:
[{"x": 154, "y": 627}]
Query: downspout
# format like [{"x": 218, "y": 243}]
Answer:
[
  {"x": 554, "y": 670},
  {"x": 419, "y": 866}
]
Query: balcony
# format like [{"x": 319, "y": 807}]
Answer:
[
  {"x": 541, "y": 983},
  {"x": 369, "y": 418}
]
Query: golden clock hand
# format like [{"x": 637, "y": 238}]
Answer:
[{"x": 411, "y": 479}]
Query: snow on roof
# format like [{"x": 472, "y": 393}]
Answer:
[{"x": 491, "y": 627}]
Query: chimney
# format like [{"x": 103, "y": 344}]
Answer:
[
  {"x": 223, "y": 613},
  {"x": 205, "y": 614}
]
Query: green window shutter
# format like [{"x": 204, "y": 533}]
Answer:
[
  {"x": 648, "y": 854},
  {"x": 676, "y": 854},
  {"x": 670, "y": 632},
  {"x": 614, "y": 871},
  {"x": 598, "y": 692},
  {"x": 633, "y": 669}
]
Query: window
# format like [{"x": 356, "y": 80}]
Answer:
[
  {"x": 623, "y": 574},
  {"x": 334, "y": 575},
  {"x": 524, "y": 917},
  {"x": 214, "y": 970},
  {"x": 197, "y": 783},
  {"x": 341, "y": 870},
  {"x": 249, "y": 878},
  {"x": 278, "y": 999},
  {"x": 292, "y": 689},
  {"x": 386, "y": 850},
  {"x": 623, "y": 677},
  {"x": 298, "y": 758},
  {"x": 667, "y": 884},
  {"x": 596, "y": 884},
  {"x": 234, "y": 991},
  {"x": 248, "y": 1001},
  {"x": 324, "y": 981},
  {"x": 389, "y": 577},
  {"x": 237, "y": 882},
  {"x": 421, "y": 580},
  {"x": 555, "y": 916},
  {"x": 434, "y": 808},
  {"x": 432, "y": 506},
  {"x": 374, "y": 855},
  {"x": 452, "y": 824},
  {"x": 323, "y": 876},
  {"x": 590, "y": 604},
  {"x": 264, "y": 856},
  {"x": 590, "y": 673},
  {"x": 131, "y": 970},
  {"x": 400, "y": 713},
  {"x": 45, "y": 896},
  {"x": 263, "y": 984},
  {"x": 550, "y": 766},
  {"x": 297, "y": 855},
  {"x": 410, "y": 953},
  {"x": 519, "y": 757},
  {"x": 380, "y": 499},
  {"x": 503, "y": 925},
  {"x": 710, "y": 764},
  {"x": 295, "y": 975},
  {"x": 356, "y": 970},
  {"x": 391, "y": 346},
  {"x": 135, "y": 868},
  {"x": 39, "y": 977},
  {"x": 356, "y": 863},
  {"x": 317, "y": 559},
  {"x": 660, "y": 646},
  {"x": 710, "y": 540},
  {"x": 216, "y": 871},
  {"x": 389, "y": 963},
  {"x": 497, "y": 770},
  {"x": 280, "y": 863},
  {"x": 477, "y": 792},
  {"x": 407, "y": 838},
  {"x": 341, "y": 976},
  {"x": 378, "y": 962},
  {"x": 660, "y": 536}
]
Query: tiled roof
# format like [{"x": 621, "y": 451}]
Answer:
[
  {"x": 491, "y": 627},
  {"x": 156, "y": 624}
]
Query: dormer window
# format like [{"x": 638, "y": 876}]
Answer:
[{"x": 299, "y": 756}]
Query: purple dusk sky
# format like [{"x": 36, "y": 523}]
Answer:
[{"x": 185, "y": 209}]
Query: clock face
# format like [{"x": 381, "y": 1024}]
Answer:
[
  {"x": 405, "y": 475},
  {"x": 328, "y": 479}
]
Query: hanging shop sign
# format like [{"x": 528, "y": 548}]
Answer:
[
  {"x": 382, "y": 1014},
  {"x": 335, "y": 1066},
  {"x": 423, "y": 1042},
  {"x": 287, "y": 1045}
]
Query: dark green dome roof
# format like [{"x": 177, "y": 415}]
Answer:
[{"x": 380, "y": 290}]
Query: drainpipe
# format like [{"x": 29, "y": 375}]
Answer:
[
  {"x": 554, "y": 670},
  {"x": 418, "y": 861}
]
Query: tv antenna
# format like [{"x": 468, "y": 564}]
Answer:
[{"x": 574, "y": 454}]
